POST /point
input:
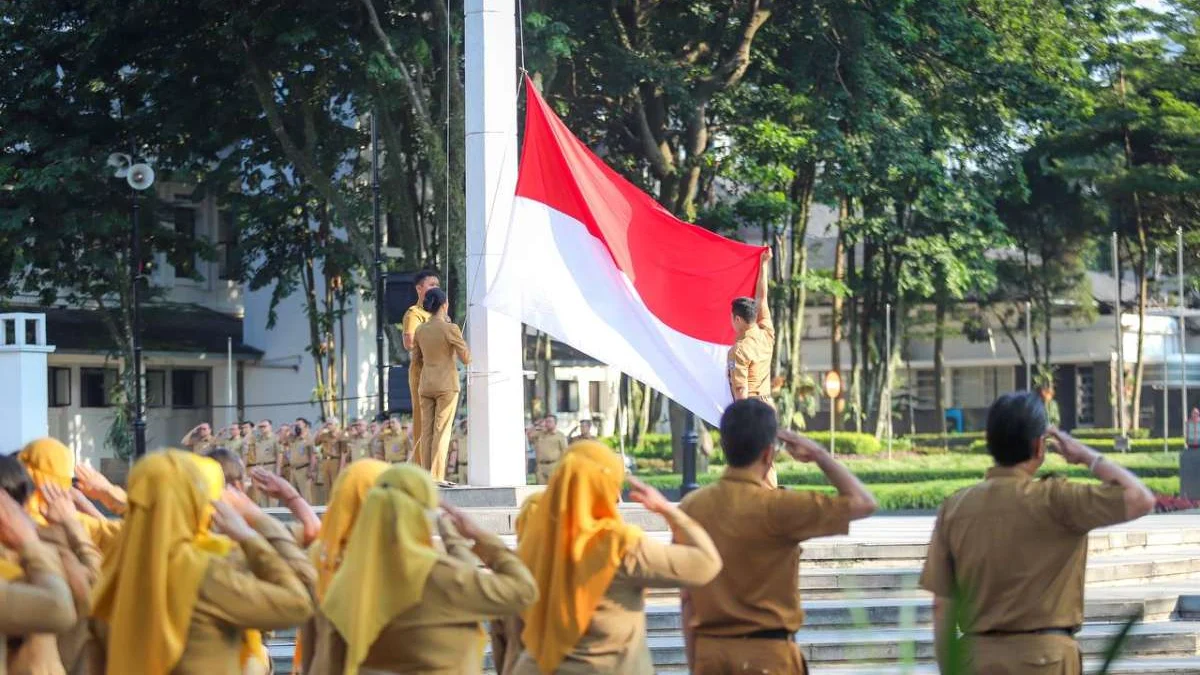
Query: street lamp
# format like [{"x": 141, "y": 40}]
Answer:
[
  {"x": 833, "y": 389},
  {"x": 139, "y": 177}
]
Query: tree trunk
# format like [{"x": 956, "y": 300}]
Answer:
[
  {"x": 801, "y": 196},
  {"x": 839, "y": 276},
  {"x": 939, "y": 358},
  {"x": 1139, "y": 369}
]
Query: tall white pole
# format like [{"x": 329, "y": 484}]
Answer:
[
  {"x": 229, "y": 380},
  {"x": 1183, "y": 391},
  {"x": 1120, "y": 379},
  {"x": 495, "y": 381}
]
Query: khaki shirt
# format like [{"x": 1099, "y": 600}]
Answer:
[
  {"x": 357, "y": 448},
  {"x": 414, "y": 318},
  {"x": 272, "y": 597},
  {"x": 434, "y": 349},
  {"x": 750, "y": 361},
  {"x": 265, "y": 450},
  {"x": 81, "y": 561},
  {"x": 615, "y": 641},
  {"x": 394, "y": 447},
  {"x": 442, "y": 634},
  {"x": 234, "y": 445},
  {"x": 328, "y": 444},
  {"x": 302, "y": 453},
  {"x": 40, "y": 602},
  {"x": 549, "y": 446},
  {"x": 200, "y": 447},
  {"x": 757, "y": 531},
  {"x": 1018, "y": 548}
]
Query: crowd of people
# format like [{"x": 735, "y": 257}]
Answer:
[{"x": 182, "y": 571}]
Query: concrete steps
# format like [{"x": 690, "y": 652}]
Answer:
[{"x": 865, "y": 614}]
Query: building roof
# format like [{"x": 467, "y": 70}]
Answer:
[{"x": 165, "y": 328}]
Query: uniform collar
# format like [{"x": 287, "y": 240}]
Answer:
[
  {"x": 742, "y": 475},
  {"x": 1007, "y": 472}
]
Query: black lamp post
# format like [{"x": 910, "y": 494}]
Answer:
[
  {"x": 139, "y": 177},
  {"x": 691, "y": 445},
  {"x": 380, "y": 275}
]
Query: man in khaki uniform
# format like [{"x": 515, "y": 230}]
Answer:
[
  {"x": 749, "y": 362},
  {"x": 200, "y": 439},
  {"x": 328, "y": 444},
  {"x": 262, "y": 452},
  {"x": 246, "y": 430},
  {"x": 1015, "y": 548},
  {"x": 413, "y": 319},
  {"x": 585, "y": 431},
  {"x": 283, "y": 452},
  {"x": 744, "y": 620},
  {"x": 357, "y": 444},
  {"x": 549, "y": 445},
  {"x": 303, "y": 455}
]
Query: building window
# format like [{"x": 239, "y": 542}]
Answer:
[
  {"x": 925, "y": 392},
  {"x": 60, "y": 387},
  {"x": 184, "y": 261},
  {"x": 825, "y": 319},
  {"x": 979, "y": 387},
  {"x": 1085, "y": 395},
  {"x": 227, "y": 246},
  {"x": 568, "y": 396},
  {"x": 189, "y": 388},
  {"x": 594, "y": 391},
  {"x": 156, "y": 388},
  {"x": 96, "y": 387}
]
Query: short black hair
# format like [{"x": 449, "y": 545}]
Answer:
[
  {"x": 551, "y": 417},
  {"x": 745, "y": 308},
  {"x": 245, "y": 422},
  {"x": 267, "y": 420},
  {"x": 748, "y": 427},
  {"x": 1015, "y": 421},
  {"x": 15, "y": 480},
  {"x": 434, "y": 299},
  {"x": 306, "y": 422},
  {"x": 423, "y": 275},
  {"x": 231, "y": 464}
]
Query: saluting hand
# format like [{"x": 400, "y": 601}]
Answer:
[
  {"x": 230, "y": 522},
  {"x": 272, "y": 484},
  {"x": 463, "y": 523},
  {"x": 800, "y": 448},
  {"x": 1072, "y": 450},
  {"x": 16, "y": 529},
  {"x": 60, "y": 507},
  {"x": 649, "y": 497},
  {"x": 91, "y": 482},
  {"x": 84, "y": 505}
]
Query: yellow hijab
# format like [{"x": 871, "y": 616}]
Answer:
[
  {"x": 528, "y": 507},
  {"x": 48, "y": 461},
  {"x": 214, "y": 481},
  {"x": 573, "y": 542},
  {"x": 386, "y": 562},
  {"x": 345, "y": 501},
  {"x": 151, "y": 576}
]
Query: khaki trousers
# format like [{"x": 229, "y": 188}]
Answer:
[
  {"x": 328, "y": 473},
  {"x": 302, "y": 483},
  {"x": 437, "y": 414},
  {"x": 414, "y": 377},
  {"x": 258, "y": 497},
  {"x": 544, "y": 471},
  {"x": 1025, "y": 655},
  {"x": 727, "y": 656}
]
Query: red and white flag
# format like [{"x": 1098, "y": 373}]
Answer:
[{"x": 599, "y": 265}]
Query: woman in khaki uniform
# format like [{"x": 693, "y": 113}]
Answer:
[
  {"x": 593, "y": 569},
  {"x": 168, "y": 602},
  {"x": 49, "y": 462},
  {"x": 35, "y": 599},
  {"x": 398, "y": 605},
  {"x": 436, "y": 344},
  {"x": 506, "y": 632}
]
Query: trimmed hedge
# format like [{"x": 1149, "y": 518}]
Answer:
[
  {"x": 1109, "y": 433},
  {"x": 940, "y": 440},
  {"x": 1107, "y": 445},
  {"x": 850, "y": 443}
]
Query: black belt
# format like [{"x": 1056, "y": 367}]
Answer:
[
  {"x": 764, "y": 634},
  {"x": 1041, "y": 631}
]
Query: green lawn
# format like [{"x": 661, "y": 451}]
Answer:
[{"x": 923, "y": 481}]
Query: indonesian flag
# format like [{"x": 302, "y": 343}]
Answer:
[{"x": 599, "y": 265}]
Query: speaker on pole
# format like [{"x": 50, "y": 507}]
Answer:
[
  {"x": 399, "y": 396},
  {"x": 401, "y": 294}
]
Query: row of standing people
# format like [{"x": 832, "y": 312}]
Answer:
[{"x": 376, "y": 593}]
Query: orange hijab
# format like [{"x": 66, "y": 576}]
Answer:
[
  {"x": 151, "y": 576},
  {"x": 48, "y": 461},
  {"x": 572, "y": 541},
  {"x": 345, "y": 502}
]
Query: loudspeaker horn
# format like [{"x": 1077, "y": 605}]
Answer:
[
  {"x": 141, "y": 176},
  {"x": 119, "y": 161}
]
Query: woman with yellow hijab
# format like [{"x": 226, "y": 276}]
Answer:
[
  {"x": 34, "y": 596},
  {"x": 506, "y": 632},
  {"x": 592, "y": 568},
  {"x": 169, "y": 600},
  {"x": 398, "y": 605},
  {"x": 49, "y": 462}
]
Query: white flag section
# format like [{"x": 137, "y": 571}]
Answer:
[{"x": 599, "y": 265}]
